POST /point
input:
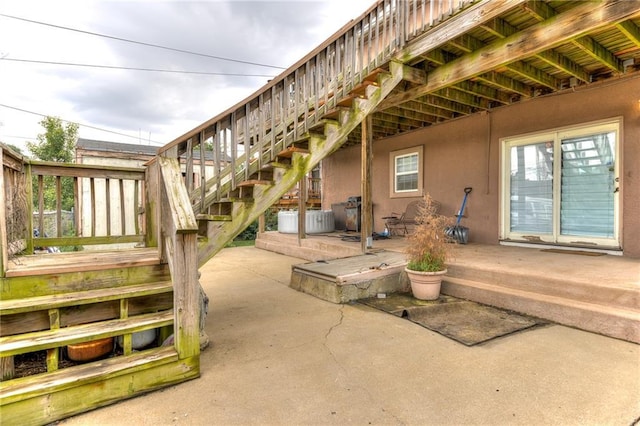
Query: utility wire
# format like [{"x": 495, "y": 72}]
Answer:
[
  {"x": 140, "y": 42},
  {"x": 134, "y": 69},
  {"x": 79, "y": 124}
]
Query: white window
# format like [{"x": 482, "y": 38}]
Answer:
[
  {"x": 406, "y": 172},
  {"x": 561, "y": 186}
]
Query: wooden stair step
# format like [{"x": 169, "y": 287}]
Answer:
[
  {"x": 276, "y": 165},
  {"x": 88, "y": 260},
  {"x": 254, "y": 182},
  {"x": 44, "y": 384},
  {"x": 375, "y": 74},
  {"x": 214, "y": 217},
  {"x": 288, "y": 152},
  {"x": 38, "y": 303},
  {"x": 334, "y": 114},
  {"x": 361, "y": 89},
  {"x": 47, "y": 339}
]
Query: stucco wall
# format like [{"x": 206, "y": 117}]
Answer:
[{"x": 466, "y": 152}]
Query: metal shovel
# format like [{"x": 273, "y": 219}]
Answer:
[{"x": 457, "y": 232}]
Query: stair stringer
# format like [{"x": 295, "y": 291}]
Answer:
[{"x": 245, "y": 211}]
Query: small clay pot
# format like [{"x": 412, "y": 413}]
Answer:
[{"x": 88, "y": 351}]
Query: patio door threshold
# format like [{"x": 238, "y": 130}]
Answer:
[{"x": 612, "y": 251}]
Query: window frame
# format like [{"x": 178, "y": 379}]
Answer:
[
  {"x": 393, "y": 156},
  {"x": 557, "y": 135}
]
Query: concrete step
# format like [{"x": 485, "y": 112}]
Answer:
[
  {"x": 608, "y": 319},
  {"x": 308, "y": 249},
  {"x": 594, "y": 290}
]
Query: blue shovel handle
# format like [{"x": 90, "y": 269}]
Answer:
[{"x": 464, "y": 203}]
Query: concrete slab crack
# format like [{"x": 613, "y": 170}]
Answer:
[{"x": 326, "y": 336}]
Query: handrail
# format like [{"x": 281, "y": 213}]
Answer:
[{"x": 243, "y": 138}]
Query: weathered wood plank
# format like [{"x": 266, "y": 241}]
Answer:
[
  {"x": 88, "y": 260},
  {"x": 4, "y": 256},
  {"x": 77, "y": 389},
  {"x": 177, "y": 197},
  {"x": 71, "y": 241},
  {"x": 86, "y": 170},
  {"x": 83, "y": 314},
  {"x": 34, "y": 386},
  {"x": 8, "y": 307},
  {"x": 39, "y": 340}
]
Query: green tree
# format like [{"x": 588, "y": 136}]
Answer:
[{"x": 56, "y": 144}]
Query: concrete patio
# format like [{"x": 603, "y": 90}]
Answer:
[
  {"x": 599, "y": 293},
  {"x": 281, "y": 357}
]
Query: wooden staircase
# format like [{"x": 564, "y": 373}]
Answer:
[
  {"x": 228, "y": 209},
  {"x": 49, "y": 308}
]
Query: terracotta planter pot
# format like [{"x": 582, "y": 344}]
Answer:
[
  {"x": 89, "y": 351},
  {"x": 425, "y": 285}
]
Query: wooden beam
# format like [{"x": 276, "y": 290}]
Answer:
[
  {"x": 456, "y": 26},
  {"x": 366, "y": 225},
  {"x": 444, "y": 103},
  {"x": 630, "y": 30},
  {"x": 464, "y": 98},
  {"x": 569, "y": 25},
  {"x": 414, "y": 75},
  {"x": 398, "y": 120},
  {"x": 599, "y": 53},
  {"x": 532, "y": 73},
  {"x": 470, "y": 44},
  {"x": 475, "y": 88},
  {"x": 509, "y": 84},
  {"x": 427, "y": 110},
  {"x": 539, "y": 10},
  {"x": 563, "y": 63},
  {"x": 501, "y": 28}
]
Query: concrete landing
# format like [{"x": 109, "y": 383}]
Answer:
[
  {"x": 314, "y": 248},
  {"x": 352, "y": 278}
]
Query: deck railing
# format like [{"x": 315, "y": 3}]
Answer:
[
  {"x": 106, "y": 205},
  {"x": 244, "y": 138}
]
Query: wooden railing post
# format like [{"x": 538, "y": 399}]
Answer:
[
  {"x": 4, "y": 256},
  {"x": 179, "y": 231}
]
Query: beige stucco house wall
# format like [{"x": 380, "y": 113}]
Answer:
[{"x": 467, "y": 152}]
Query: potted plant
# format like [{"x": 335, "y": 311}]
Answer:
[{"x": 428, "y": 250}]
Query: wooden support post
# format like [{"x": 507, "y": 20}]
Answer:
[
  {"x": 302, "y": 209},
  {"x": 53, "y": 354},
  {"x": 179, "y": 228},
  {"x": 366, "y": 228},
  {"x": 126, "y": 339},
  {"x": 7, "y": 369},
  {"x": 4, "y": 256}
]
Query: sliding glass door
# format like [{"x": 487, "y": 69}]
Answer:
[{"x": 562, "y": 186}]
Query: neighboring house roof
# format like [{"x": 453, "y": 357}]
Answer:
[
  {"x": 128, "y": 149},
  {"x": 95, "y": 145}
]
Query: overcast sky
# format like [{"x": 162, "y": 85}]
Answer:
[{"x": 148, "y": 106}]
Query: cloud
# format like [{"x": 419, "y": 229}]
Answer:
[{"x": 165, "y": 105}]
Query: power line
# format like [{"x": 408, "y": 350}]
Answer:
[
  {"x": 79, "y": 124},
  {"x": 135, "y": 69},
  {"x": 140, "y": 42}
]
